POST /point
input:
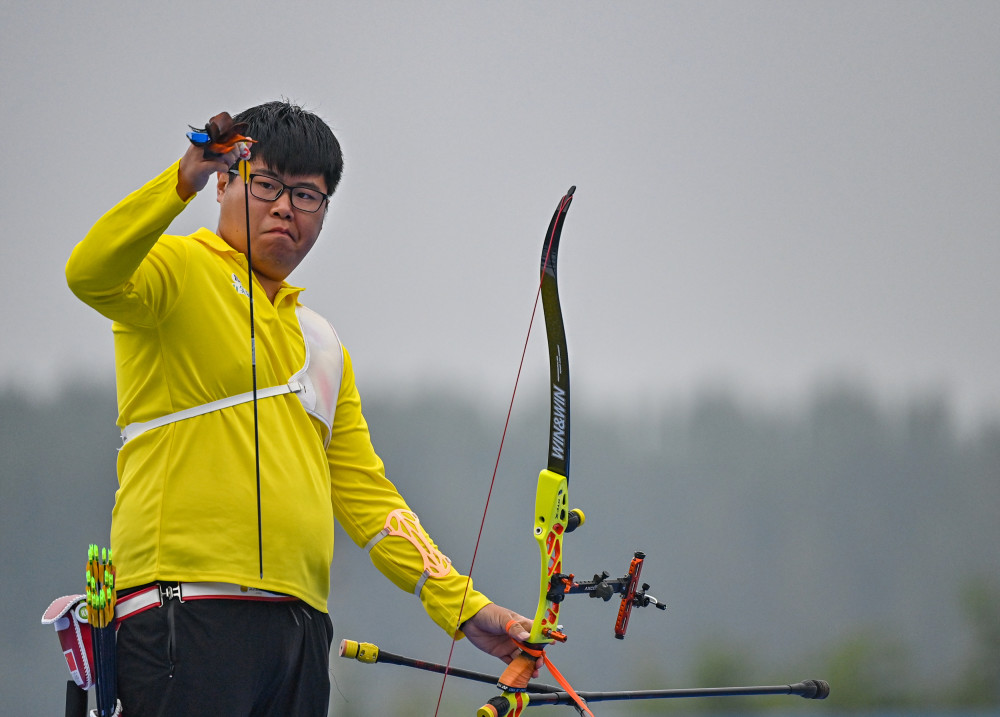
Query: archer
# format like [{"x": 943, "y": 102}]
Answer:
[{"x": 238, "y": 456}]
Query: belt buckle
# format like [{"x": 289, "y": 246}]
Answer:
[{"x": 169, "y": 592}]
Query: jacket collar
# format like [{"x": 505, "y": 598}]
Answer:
[{"x": 215, "y": 243}]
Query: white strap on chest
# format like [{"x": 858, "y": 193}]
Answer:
[
  {"x": 317, "y": 383},
  {"x": 136, "y": 429}
]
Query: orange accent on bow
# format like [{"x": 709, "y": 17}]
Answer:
[{"x": 536, "y": 653}]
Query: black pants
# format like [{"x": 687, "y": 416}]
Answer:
[{"x": 225, "y": 658}]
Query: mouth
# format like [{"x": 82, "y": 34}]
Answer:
[{"x": 280, "y": 231}]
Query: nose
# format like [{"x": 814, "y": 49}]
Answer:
[{"x": 282, "y": 206}]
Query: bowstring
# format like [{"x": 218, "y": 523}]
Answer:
[{"x": 496, "y": 465}]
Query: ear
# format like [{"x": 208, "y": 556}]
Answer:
[{"x": 222, "y": 181}]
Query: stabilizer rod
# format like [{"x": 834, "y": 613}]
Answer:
[
  {"x": 370, "y": 653},
  {"x": 810, "y": 690},
  {"x": 543, "y": 694}
]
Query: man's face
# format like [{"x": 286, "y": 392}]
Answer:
[{"x": 281, "y": 235}]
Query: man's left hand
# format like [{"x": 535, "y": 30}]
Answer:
[{"x": 487, "y": 630}]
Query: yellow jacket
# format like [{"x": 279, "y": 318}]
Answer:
[{"x": 186, "y": 506}]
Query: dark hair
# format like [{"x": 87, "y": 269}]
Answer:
[{"x": 292, "y": 140}]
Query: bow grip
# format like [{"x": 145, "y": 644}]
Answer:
[{"x": 516, "y": 675}]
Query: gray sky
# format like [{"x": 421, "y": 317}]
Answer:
[{"x": 769, "y": 193}]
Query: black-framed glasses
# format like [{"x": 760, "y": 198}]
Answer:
[{"x": 269, "y": 189}]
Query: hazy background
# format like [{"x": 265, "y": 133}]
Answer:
[{"x": 773, "y": 199}]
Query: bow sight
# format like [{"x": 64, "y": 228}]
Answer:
[{"x": 601, "y": 587}]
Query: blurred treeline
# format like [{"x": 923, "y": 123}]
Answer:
[{"x": 844, "y": 538}]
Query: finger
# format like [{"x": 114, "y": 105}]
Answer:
[
  {"x": 517, "y": 629},
  {"x": 231, "y": 157},
  {"x": 516, "y": 622},
  {"x": 218, "y": 162}
]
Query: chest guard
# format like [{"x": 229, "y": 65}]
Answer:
[{"x": 322, "y": 371}]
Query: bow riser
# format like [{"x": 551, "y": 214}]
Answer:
[
  {"x": 551, "y": 525},
  {"x": 551, "y": 519}
]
